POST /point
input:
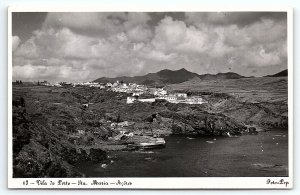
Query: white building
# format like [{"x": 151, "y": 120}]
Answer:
[
  {"x": 130, "y": 100},
  {"x": 182, "y": 95},
  {"x": 160, "y": 92},
  {"x": 171, "y": 98},
  {"x": 137, "y": 93},
  {"x": 123, "y": 124},
  {"x": 195, "y": 100},
  {"x": 57, "y": 84},
  {"x": 149, "y": 100}
]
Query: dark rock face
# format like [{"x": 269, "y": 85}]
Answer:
[
  {"x": 35, "y": 161},
  {"x": 207, "y": 124},
  {"x": 38, "y": 152}
]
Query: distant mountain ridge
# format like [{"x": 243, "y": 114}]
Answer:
[
  {"x": 227, "y": 75},
  {"x": 167, "y": 76},
  {"x": 283, "y": 73}
]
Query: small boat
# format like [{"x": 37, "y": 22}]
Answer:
[
  {"x": 153, "y": 144},
  {"x": 190, "y": 138}
]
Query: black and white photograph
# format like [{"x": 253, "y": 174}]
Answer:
[{"x": 137, "y": 95}]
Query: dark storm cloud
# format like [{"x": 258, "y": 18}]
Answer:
[
  {"x": 229, "y": 18},
  {"x": 156, "y": 17},
  {"x": 24, "y": 23},
  {"x": 96, "y": 24}
]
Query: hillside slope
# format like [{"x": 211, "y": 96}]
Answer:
[{"x": 167, "y": 76}]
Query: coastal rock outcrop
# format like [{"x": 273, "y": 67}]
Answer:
[{"x": 40, "y": 152}]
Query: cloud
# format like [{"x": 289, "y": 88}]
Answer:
[
  {"x": 28, "y": 49},
  {"x": 267, "y": 31},
  {"x": 90, "y": 23},
  {"x": 159, "y": 56},
  {"x": 229, "y": 18},
  {"x": 41, "y": 72},
  {"x": 78, "y": 56},
  {"x": 86, "y": 46},
  {"x": 134, "y": 19},
  {"x": 140, "y": 34},
  {"x": 15, "y": 42},
  {"x": 63, "y": 43},
  {"x": 96, "y": 24},
  {"x": 260, "y": 57},
  {"x": 174, "y": 35}
]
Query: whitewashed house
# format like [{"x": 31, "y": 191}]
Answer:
[
  {"x": 181, "y": 95},
  {"x": 130, "y": 100},
  {"x": 149, "y": 100},
  {"x": 160, "y": 92}
]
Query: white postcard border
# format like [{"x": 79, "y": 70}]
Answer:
[{"x": 157, "y": 182}]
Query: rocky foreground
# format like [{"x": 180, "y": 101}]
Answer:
[{"x": 53, "y": 129}]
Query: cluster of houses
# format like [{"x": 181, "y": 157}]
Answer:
[
  {"x": 45, "y": 83},
  {"x": 172, "y": 98},
  {"x": 60, "y": 84},
  {"x": 89, "y": 84},
  {"x": 134, "y": 89}
]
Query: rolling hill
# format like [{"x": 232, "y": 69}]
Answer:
[
  {"x": 167, "y": 76},
  {"x": 283, "y": 73}
]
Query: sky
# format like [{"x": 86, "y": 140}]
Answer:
[{"x": 83, "y": 46}]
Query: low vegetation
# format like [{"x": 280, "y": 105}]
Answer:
[{"x": 55, "y": 128}]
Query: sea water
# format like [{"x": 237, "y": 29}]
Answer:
[{"x": 261, "y": 155}]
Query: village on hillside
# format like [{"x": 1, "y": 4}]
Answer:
[{"x": 135, "y": 91}]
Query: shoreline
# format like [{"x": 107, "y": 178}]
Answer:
[
  {"x": 161, "y": 157},
  {"x": 54, "y": 126}
]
